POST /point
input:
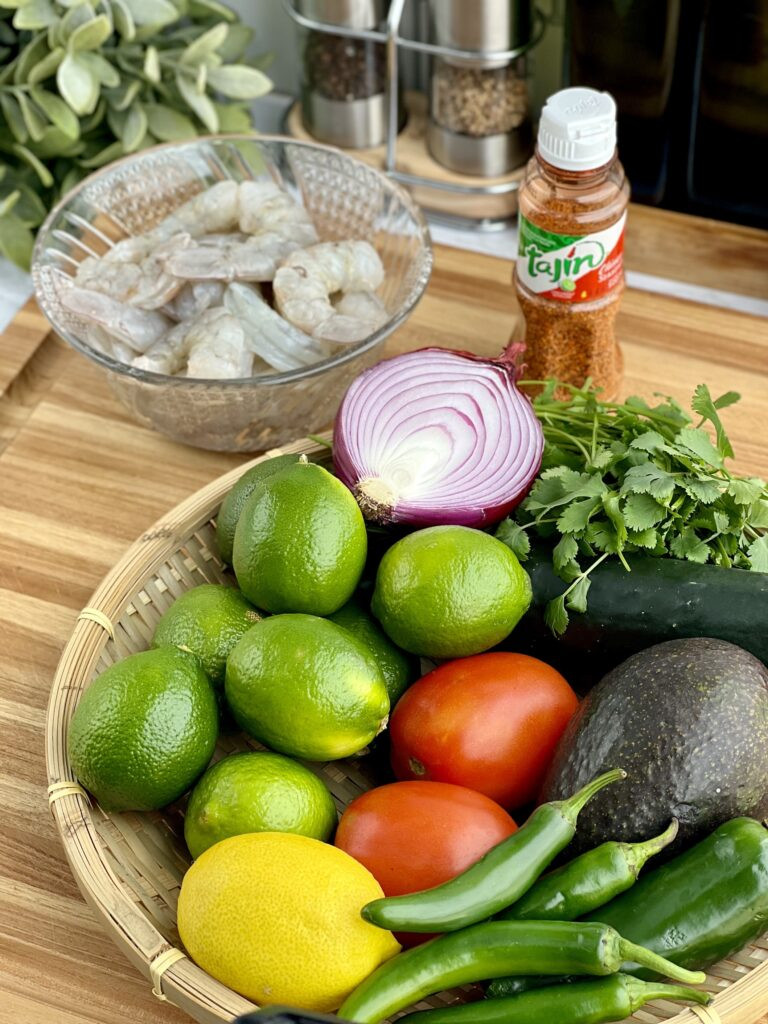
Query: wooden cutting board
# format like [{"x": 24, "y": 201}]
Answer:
[{"x": 79, "y": 481}]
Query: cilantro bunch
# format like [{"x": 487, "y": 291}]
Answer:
[{"x": 623, "y": 478}]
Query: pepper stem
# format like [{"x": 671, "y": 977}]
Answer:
[
  {"x": 571, "y": 808},
  {"x": 638, "y": 854},
  {"x": 641, "y": 992},
  {"x": 629, "y": 951}
]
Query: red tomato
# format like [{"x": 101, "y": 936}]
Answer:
[
  {"x": 490, "y": 722},
  {"x": 415, "y": 835}
]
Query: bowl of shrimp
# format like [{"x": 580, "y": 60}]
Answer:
[{"x": 232, "y": 286}]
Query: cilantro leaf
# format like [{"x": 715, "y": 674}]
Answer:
[
  {"x": 603, "y": 537},
  {"x": 758, "y": 514},
  {"x": 613, "y": 511},
  {"x": 555, "y": 615},
  {"x": 514, "y": 537},
  {"x": 745, "y": 492},
  {"x": 648, "y": 441},
  {"x": 757, "y": 553},
  {"x": 700, "y": 488},
  {"x": 577, "y": 515},
  {"x": 564, "y": 552},
  {"x": 697, "y": 441},
  {"x": 702, "y": 404},
  {"x": 687, "y": 544},
  {"x": 641, "y": 511},
  {"x": 643, "y": 538},
  {"x": 648, "y": 479},
  {"x": 576, "y": 599}
]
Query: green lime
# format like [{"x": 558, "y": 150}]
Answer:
[
  {"x": 449, "y": 591},
  {"x": 300, "y": 543},
  {"x": 304, "y": 686},
  {"x": 144, "y": 730},
  {"x": 257, "y": 792},
  {"x": 208, "y": 621},
  {"x": 232, "y": 506},
  {"x": 398, "y": 668}
]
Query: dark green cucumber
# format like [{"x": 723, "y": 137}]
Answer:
[{"x": 660, "y": 599}]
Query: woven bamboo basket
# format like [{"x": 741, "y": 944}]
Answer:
[{"x": 129, "y": 867}]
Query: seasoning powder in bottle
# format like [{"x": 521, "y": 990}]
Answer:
[{"x": 569, "y": 274}]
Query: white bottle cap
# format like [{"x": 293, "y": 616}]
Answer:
[{"x": 577, "y": 130}]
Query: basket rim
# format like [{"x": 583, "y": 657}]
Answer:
[{"x": 184, "y": 984}]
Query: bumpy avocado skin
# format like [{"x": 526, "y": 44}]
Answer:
[{"x": 688, "y": 721}]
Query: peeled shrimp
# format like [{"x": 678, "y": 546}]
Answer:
[
  {"x": 193, "y": 298},
  {"x": 137, "y": 328},
  {"x": 268, "y": 335},
  {"x": 103, "y": 342},
  {"x": 363, "y": 306},
  {"x": 169, "y": 354},
  {"x": 274, "y": 226},
  {"x": 307, "y": 279},
  {"x": 217, "y": 347},
  {"x": 133, "y": 271}
]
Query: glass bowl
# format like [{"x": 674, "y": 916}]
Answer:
[{"x": 346, "y": 199}]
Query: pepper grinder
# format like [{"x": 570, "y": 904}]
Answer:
[
  {"x": 343, "y": 93},
  {"x": 478, "y": 121}
]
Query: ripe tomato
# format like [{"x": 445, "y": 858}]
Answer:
[
  {"x": 415, "y": 835},
  {"x": 490, "y": 722}
]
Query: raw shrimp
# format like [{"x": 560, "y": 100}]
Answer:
[
  {"x": 274, "y": 227},
  {"x": 169, "y": 354},
  {"x": 133, "y": 271},
  {"x": 363, "y": 306},
  {"x": 307, "y": 279},
  {"x": 193, "y": 298},
  {"x": 138, "y": 328},
  {"x": 277, "y": 342},
  {"x": 217, "y": 347},
  {"x": 103, "y": 342}
]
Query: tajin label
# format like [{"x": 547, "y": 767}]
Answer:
[{"x": 570, "y": 268}]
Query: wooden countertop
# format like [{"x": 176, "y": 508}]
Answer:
[{"x": 79, "y": 481}]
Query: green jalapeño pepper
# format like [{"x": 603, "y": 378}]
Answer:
[
  {"x": 588, "y": 882},
  {"x": 583, "y": 1002},
  {"x": 703, "y": 905},
  {"x": 497, "y": 879},
  {"x": 493, "y": 948}
]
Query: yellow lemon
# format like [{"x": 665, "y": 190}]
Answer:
[{"x": 276, "y": 917}]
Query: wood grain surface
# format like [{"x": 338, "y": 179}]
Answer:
[{"x": 79, "y": 481}]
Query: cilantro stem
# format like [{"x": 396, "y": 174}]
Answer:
[{"x": 583, "y": 575}]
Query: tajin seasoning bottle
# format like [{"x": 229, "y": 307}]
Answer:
[{"x": 569, "y": 274}]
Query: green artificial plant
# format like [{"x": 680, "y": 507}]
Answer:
[{"x": 83, "y": 82}]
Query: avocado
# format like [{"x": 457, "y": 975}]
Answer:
[{"x": 688, "y": 722}]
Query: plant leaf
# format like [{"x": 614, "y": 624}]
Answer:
[
  {"x": 135, "y": 128},
  {"x": 603, "y": 536},
  {"x": 577, "y": 515},
  {"x": 77, "y": 83},
  {"x": 758, "y": 514},
  {"x": 58, "y": 112},
  {"x": 696, "y": 440},
  {"x": 688, "y": 545},
  {"x": 123, "y": 19},
  {"x": 515, "y": 537},
  {"x": 746, "y": 491},
  {"x": 35, "y": 14},
  {"x": 101, "y": 69},
  {"x": 12, "y": 114},
  {"x": 758, "y": 554},
  {"x": 104, "y": 156},
  {"x": 91, "y": 35},
  {"x": 206, "y": 8},
  {"x": 648, "y": 479},
  {"x": 702, "y": 404},
  {"x": 8, "y": 202},
  {"x": 55, "y": 143},
  {"x": 16, "y": 240},
  {"x": 47, "y": 66},
  {"x": 233, "y": 117},
  {"x": 648, "y": 441},
  {"x": 205, "y": 44},
  {"x": 152, "y": 12},
  {"x": 239, "y": 81},
  {"x": 555, "y": 615},
  {"x": 643, "y": 538},
  {"x": 30, "y": 56},
  {"x": 237, "y": 42},
  {"x": 641, "y": 511},
  {"x": 167, "y": 124},
  {"x": 122, "y": 97},
  {"x": 198, "y": 104},
  {"x": 577, "y": 598},
  {"x": 152, "y": 65},
  {"x": 700, "y": 489},
  {"x": 564, "y": 552},
  {"x": 39, "y": 168},
  {"x": 33, "y": 119}
]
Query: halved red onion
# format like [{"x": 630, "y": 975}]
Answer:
[{"x": 437, "y": 436}]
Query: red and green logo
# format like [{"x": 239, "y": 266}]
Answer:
[{"x": 570, "y": 268}]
